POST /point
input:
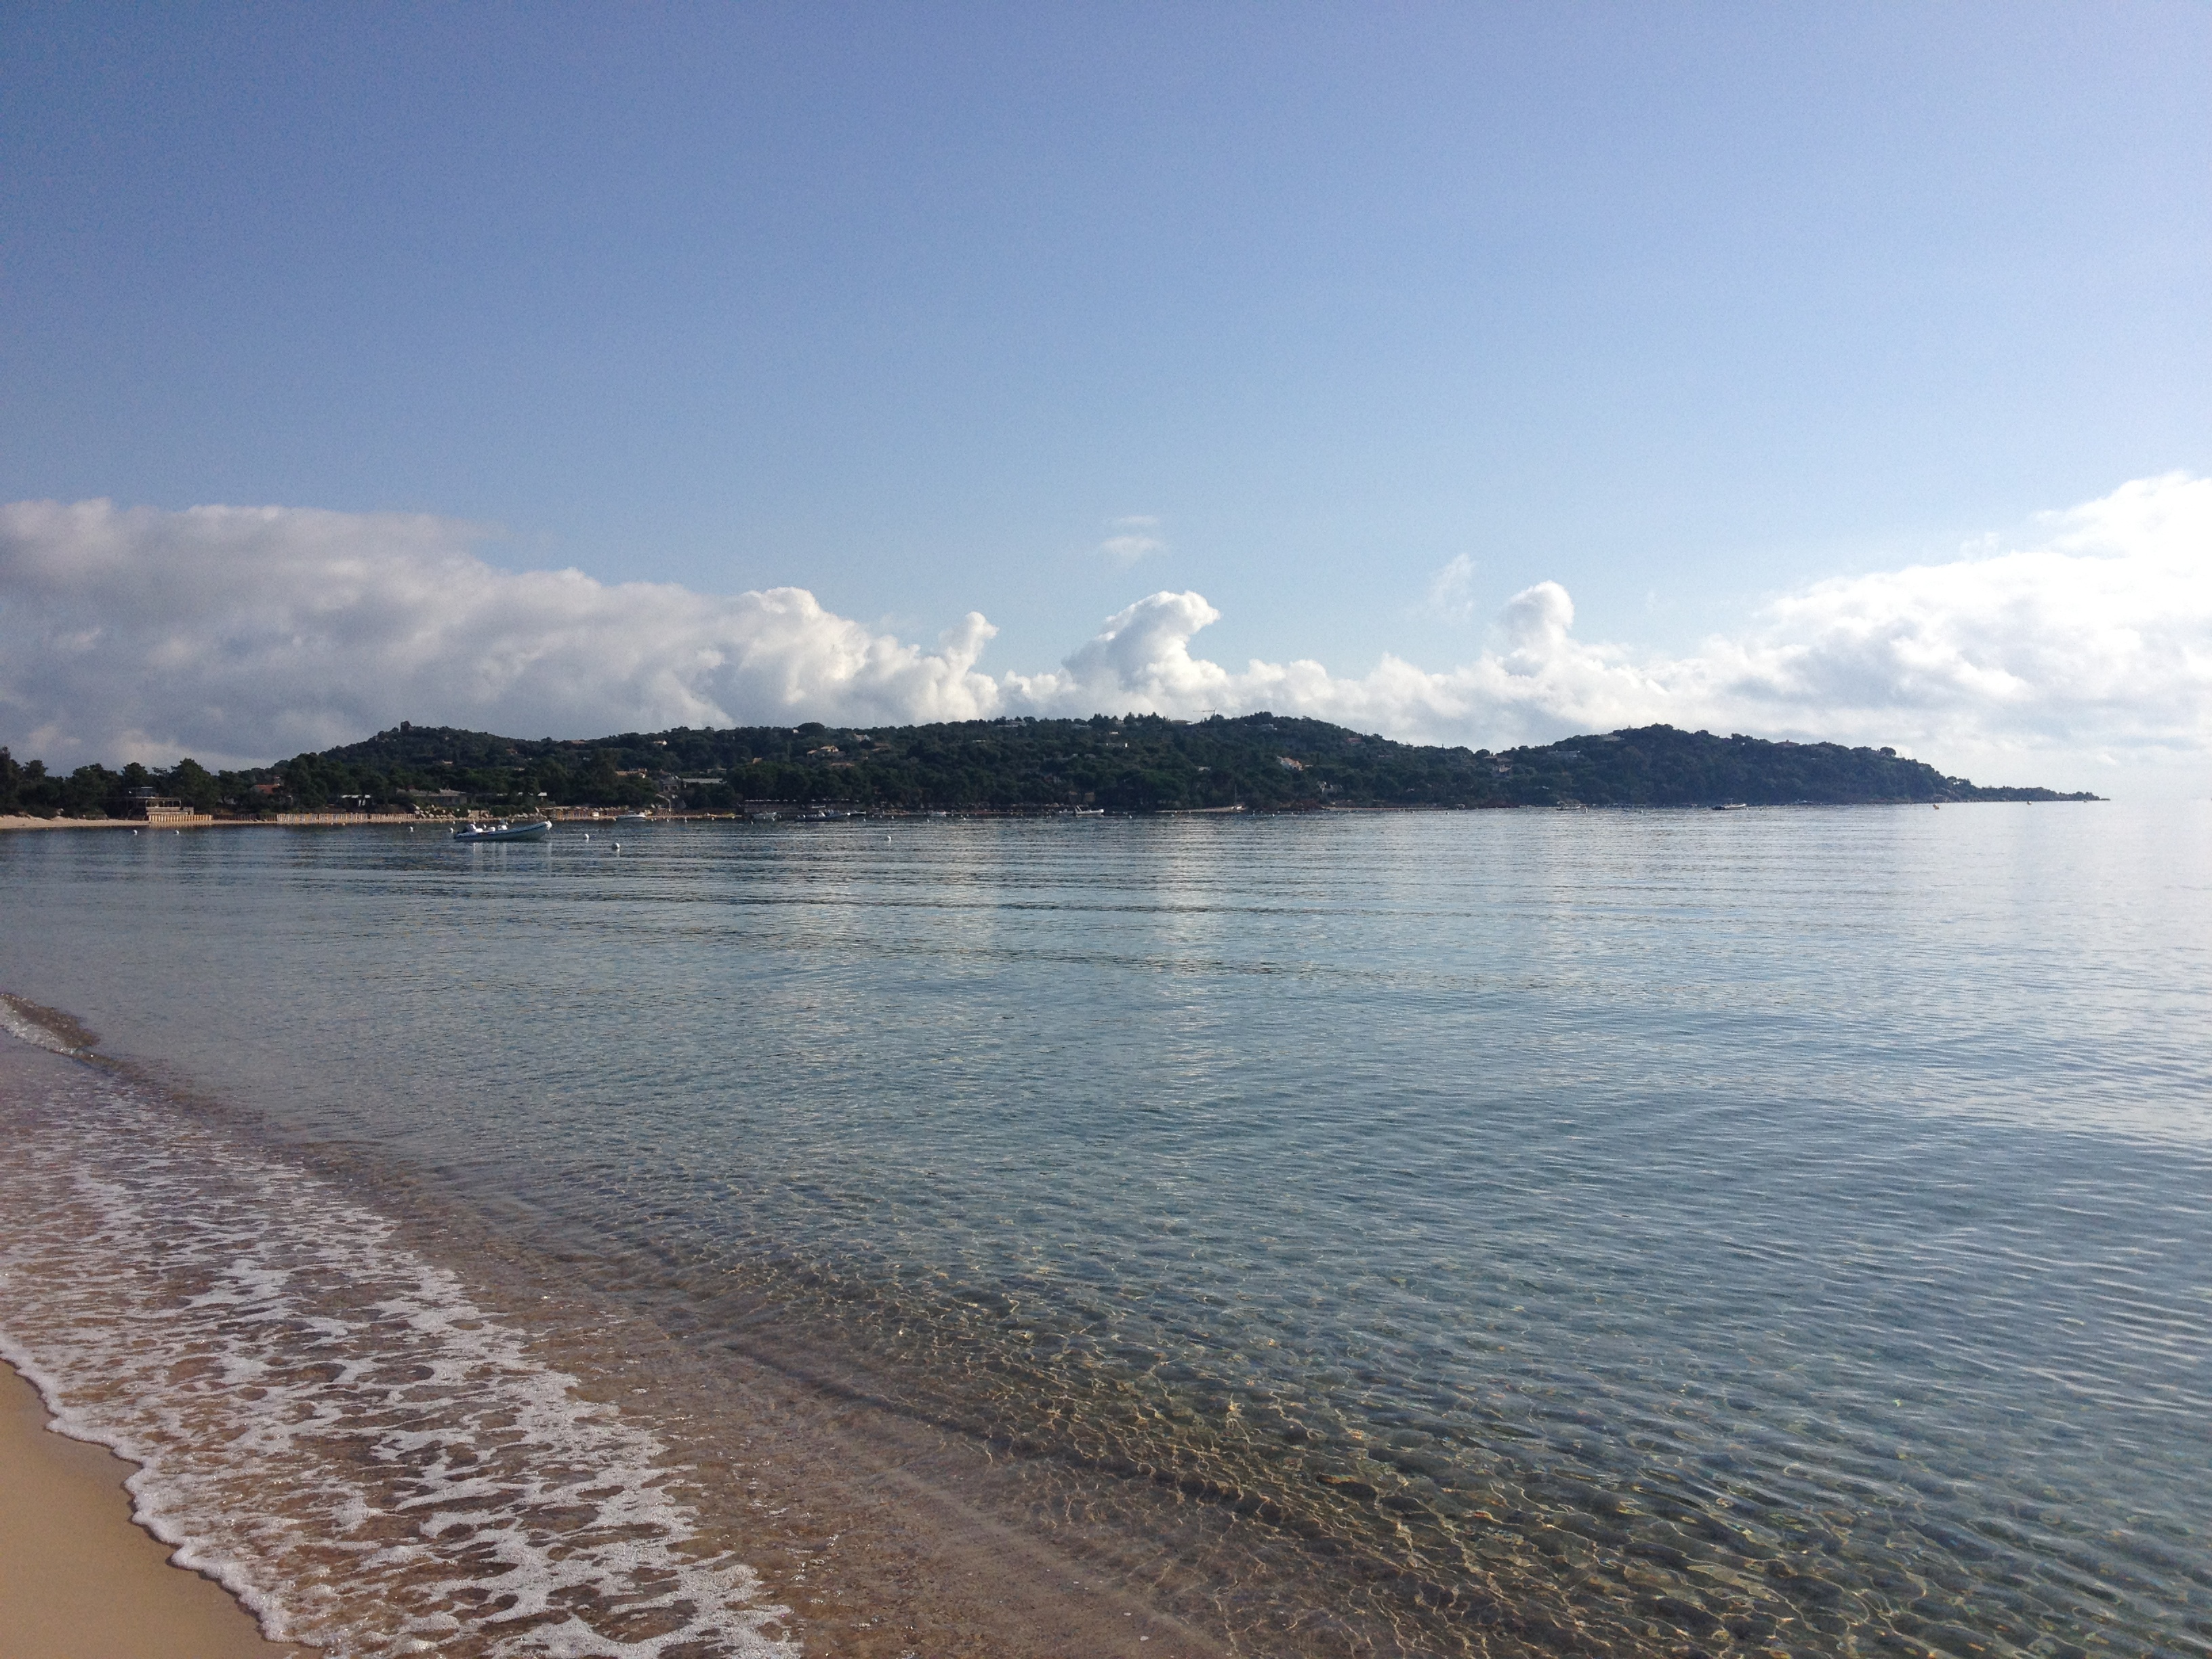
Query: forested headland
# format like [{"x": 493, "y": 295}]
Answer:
[{"x": 1134, "y": 763}]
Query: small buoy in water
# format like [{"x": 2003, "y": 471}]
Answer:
[
  {"x": 588, "y": 835},
  {"x": 618, "y": 847}
]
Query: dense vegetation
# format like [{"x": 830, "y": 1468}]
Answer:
[{"x": 1135, "y": 764}]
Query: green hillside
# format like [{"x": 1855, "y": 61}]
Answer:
[{"x": 1262, "y": 762}]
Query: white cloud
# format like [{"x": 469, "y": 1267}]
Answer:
[
  {"x": 1544, "y": 683},
  {"x": 2099, "y": 638},
  {"x": 1451, "y": 590},
  {"x": 248, "y": 632},
  {"x": 2092, "y": 648},
  {"x": 1134, "y": 538}
]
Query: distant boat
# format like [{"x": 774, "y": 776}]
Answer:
[
  {"x": 1733, "y": 806},
  {"x": 634, "y": 817},
  {"x": 537, "y": 831}
]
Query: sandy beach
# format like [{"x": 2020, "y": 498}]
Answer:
[
  {"x": 78, "y": 1580},
  {"x": 23, "y": 821}
]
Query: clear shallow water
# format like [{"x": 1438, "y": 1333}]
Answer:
[{"x": 1503, "y": 1232}]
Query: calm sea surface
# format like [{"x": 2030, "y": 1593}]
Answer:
[{"x": 1506, "y": 1233}]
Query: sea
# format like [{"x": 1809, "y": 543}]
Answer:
[{"x": 1781, "y": 1231}]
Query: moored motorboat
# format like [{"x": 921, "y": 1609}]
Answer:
[{"x": 537, "y": 831}]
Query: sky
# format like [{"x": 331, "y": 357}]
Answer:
[{"x": 1469, "y": 374}]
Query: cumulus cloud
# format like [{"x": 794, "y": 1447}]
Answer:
[
  {"x": 1543, "y": 683},
  {"x": 2098, "y": 637},
  {"x": 1134, "y": 538},
  {"x": 2093, "y": 644},
  {"x": 248, "y": 632}
]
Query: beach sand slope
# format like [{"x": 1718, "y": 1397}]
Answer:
[{"x": 78, "y": 1580}]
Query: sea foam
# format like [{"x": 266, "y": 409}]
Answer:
[{"x": 325, "y": 1421}]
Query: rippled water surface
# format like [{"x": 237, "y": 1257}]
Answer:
[{"x": 1500, "y": 1233}]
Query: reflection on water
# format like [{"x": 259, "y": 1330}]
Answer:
[{"x": 1483, "y": 1233}]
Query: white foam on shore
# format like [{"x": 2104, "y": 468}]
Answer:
[{"x": 325, "y": 1421}]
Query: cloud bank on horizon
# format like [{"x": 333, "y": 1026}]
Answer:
[{"x": 242, "y": 635}]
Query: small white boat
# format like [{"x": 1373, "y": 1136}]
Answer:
[{"x": 537, "y": 831}]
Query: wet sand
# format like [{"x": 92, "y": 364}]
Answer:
[{"x": 78, "y": 1580}]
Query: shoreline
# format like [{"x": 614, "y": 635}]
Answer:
[
  {"x": 980, "y": 814},
  {"x": 78, "y": 1574},
  {"x": 873, "y": 1529}
]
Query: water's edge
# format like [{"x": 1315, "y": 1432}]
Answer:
[{"x": 875, "y": 1530}]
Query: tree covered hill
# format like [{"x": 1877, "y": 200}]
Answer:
[{"x": 1261, "y": 763}]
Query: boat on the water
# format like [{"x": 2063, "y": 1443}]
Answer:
[{"x": 537, "y": 831}]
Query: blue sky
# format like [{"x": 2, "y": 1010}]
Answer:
[{"x": 1682, "y": 308}]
